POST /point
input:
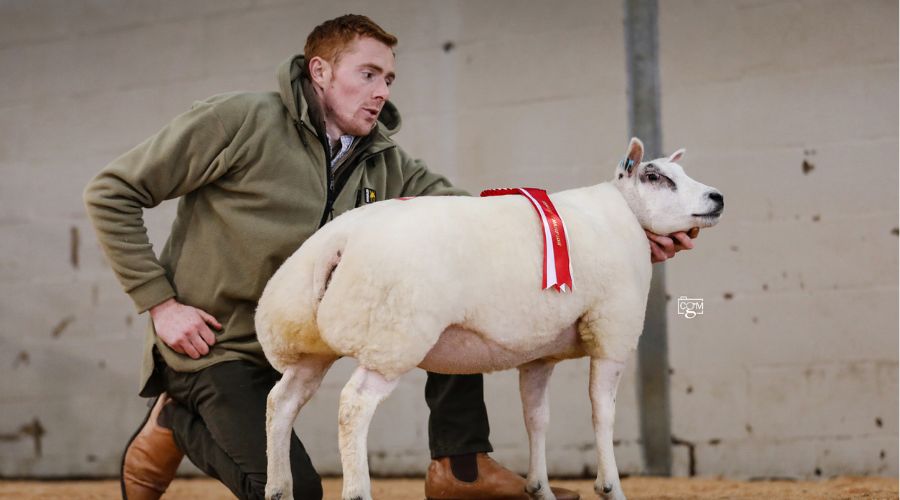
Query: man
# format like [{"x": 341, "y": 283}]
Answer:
[{"x": 258, "y": 173}]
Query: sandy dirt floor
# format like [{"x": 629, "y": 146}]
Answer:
[{"x": 412, "y": 489}]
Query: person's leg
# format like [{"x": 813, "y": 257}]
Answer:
[
  {"x": 220, "y": 425},
  {"x": 151, "y": 458},
  {"x": 458, "y": 432},
  {"x": 458, "y": 436},
  {"x": 458, "y": 423}
]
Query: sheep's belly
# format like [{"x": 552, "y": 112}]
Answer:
[{"x": 460, "y": 351}]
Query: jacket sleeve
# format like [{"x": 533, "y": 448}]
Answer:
[
  {"x": 189, "y": 152},
  {"x": 419, "y": 181}
]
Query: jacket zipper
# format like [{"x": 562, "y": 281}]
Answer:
[
  {"x": 331, "y": 196},
  {"x": 345, "y": 175},
  {"x": 341, "y": 181},
  {"x": 329, "y": 187},
  {"x": 329, "y": 200}
]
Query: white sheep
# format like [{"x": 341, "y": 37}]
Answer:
[{"x": 453, "y": 285}]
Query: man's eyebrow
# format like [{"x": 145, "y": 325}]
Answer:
[{"x": 378, "y": 69}]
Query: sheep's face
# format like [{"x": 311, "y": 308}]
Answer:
[{"x": 664, "y": 199}]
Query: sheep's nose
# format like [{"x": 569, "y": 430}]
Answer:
[{"x": 716, "y": 197}]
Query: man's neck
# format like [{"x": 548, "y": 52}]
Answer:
[
  {"x": 334, "y": 136},
  {"x": 331, "y": 130},
  {"x": 333, "y": 142}
]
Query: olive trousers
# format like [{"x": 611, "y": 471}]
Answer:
[{"x": 219, "y": 422}]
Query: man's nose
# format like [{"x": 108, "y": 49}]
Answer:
[{"x": 382, "y": 91}]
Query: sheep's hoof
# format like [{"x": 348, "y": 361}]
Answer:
[
  {"x": 603, "y": 489},
  {"x": 276, "y": 494},
  {"x": 608, "y": 491},
  {"x": 539, "y": 491}
]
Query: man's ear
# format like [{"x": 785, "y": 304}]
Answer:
[
  {"x": 633, "y": 156},
  {"x": 676, "y": 155},
  {"x": 320, "y": 71}
]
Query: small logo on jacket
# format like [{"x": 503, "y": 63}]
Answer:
[
  {"x": 365, "y": 196},
  {"x": 689, "y": 308}
]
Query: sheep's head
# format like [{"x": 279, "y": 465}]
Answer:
[{"x": 663, "y": 197}]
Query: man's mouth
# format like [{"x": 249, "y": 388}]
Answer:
[{"x": 372, "y": 112}]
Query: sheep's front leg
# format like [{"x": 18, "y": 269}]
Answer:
[
  {"x": 534, "y": 381},
  {"x": 365, "y": 390},
  {"x": 298, "y": 383},
  {"x": 605, "y": 376}
]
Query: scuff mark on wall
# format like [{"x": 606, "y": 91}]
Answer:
[
  {"x": 807, "y": 166},
  {"x": 58, "y": 329},
  {"x": 32, "y": 429},
  {"x": 692, "y": 456},
  {"x": 23, "y": 359},
  {"x": 73, "y": 246}
]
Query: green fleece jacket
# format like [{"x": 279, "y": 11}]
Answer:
[{"x": 251, "y": 173}]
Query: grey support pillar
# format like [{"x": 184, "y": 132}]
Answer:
[{"x": 641, "y": 42}]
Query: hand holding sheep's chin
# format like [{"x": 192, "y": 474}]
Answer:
[
  {"x": 184, "y": 328},
  {"x": 665, "y": 247}
]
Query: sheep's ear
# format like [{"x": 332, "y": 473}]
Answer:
[
  {"x": 676, "y": 155},
  {"x": 633, "y": 156}
]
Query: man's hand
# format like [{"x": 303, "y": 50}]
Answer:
[
  {"x": 665, "y": 247},
  {"x": 184, "y": 328}
]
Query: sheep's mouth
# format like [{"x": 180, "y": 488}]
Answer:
[
  {"x": 708, "y": 219},
  {"x": 715, "y": 213}
]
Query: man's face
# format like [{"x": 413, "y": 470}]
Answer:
[{"x": 355, "y": 90}]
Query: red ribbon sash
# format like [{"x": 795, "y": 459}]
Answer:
[{"x": 557, "y": 267}]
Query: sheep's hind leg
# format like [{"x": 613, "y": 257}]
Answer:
[
  {"x": 365, "y": 390},
  {"x": 298, "y": 383},
  {"x": 534, "y": 381},
  {"x": 605, "y": 376}
]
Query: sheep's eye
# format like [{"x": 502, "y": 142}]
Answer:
[{"x": 652, "y": 177}]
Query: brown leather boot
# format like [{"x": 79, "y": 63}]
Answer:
[
  {"x": 493, "y": 482},
  {"x": 151, "y": 458}
]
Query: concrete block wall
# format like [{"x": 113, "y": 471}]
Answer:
[
  {"x": 786, "y": 372},
  {"x": 791, "y": 109}
]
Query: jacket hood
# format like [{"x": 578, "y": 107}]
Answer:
[{"x": 290, "y": 75}]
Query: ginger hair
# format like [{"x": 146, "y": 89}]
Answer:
[{"x": 331, "y": 38}]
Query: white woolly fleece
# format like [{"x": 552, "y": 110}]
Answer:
[{"x": 409, "y": 270}]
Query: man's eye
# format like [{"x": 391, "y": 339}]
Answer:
[{"x": 368, "y": 75}]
